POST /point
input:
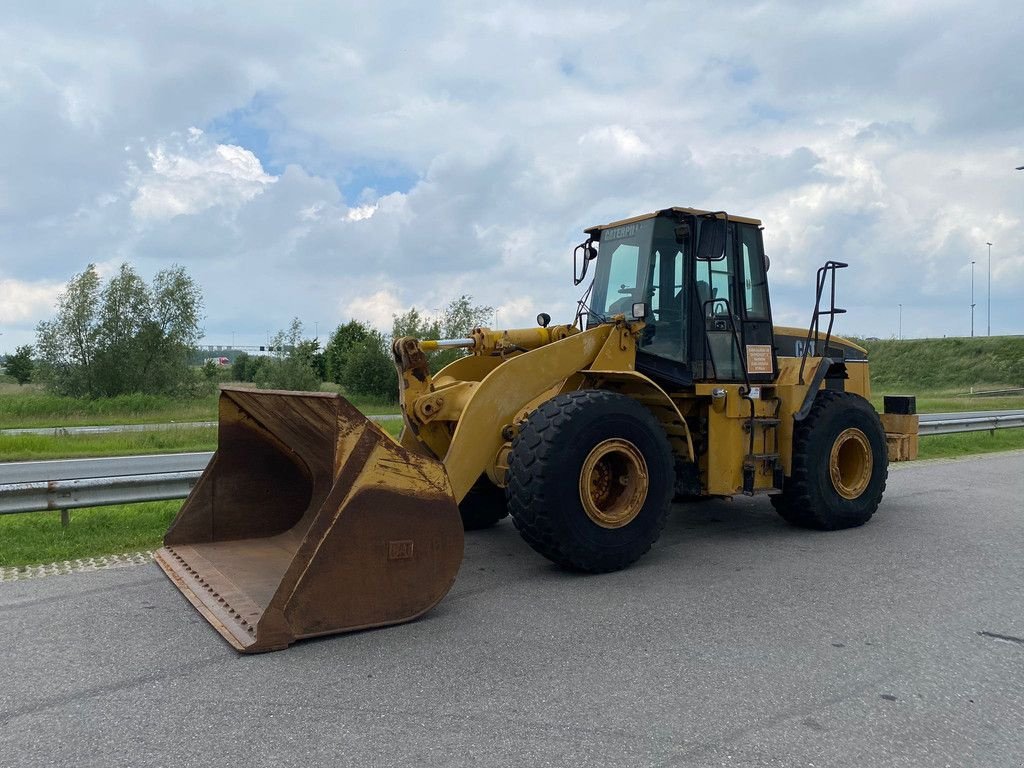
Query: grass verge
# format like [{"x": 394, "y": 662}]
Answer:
[
  {"x": 40, "y": 447},
  {"x": 949, "y": 446},
  {"x": 37, "y": 537}
]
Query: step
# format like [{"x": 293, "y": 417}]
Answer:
[{"x": 761, "y": 457}]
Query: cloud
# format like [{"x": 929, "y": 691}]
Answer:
[
  {"x": 377, "y": 309},
  {"x": 194, "y": 176},
  {"x": 21, "y": 303},
  {"x": 362, "y": 157}
]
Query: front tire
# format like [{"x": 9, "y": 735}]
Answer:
[
  {"x": 839, "y": 467},
  {"x": 590, "y": 480}
]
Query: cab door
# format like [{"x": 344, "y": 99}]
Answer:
[
  {"x": 731, "y": 303},
  {"x": 755, "y": 307}
]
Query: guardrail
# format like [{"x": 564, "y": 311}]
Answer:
[
  {"x": 23, "y": 490},
  {"x": 94, "y": 491},
  {"x": 950, "y": 424}
]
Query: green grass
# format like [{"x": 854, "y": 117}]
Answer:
[
  {"x": 39, "y": 447},
  {"x": 178, "y": 440},
  {"x": 951, "y": 365},
  {"x": 950, "y": 446},
  {"x": 38, "y": 537},
  {"x": 946, "y": 402},
  {"x": 29, "y": 407}
]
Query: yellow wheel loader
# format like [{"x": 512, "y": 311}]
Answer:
[{"x": 671, "y": 382}]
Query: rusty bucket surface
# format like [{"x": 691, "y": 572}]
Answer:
[{"x": 310, "y": 520}]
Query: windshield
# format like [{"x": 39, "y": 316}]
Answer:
[
  {"x": 622, "y": 276},
  {"x": 644, "y": 262}
]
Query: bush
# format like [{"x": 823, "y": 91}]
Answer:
[
  {"x": 368, "y": 370},
  {"x": 126, "y": 337},
  {"x": 20, "y": 365}
]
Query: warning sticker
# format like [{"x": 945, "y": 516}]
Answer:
[{"x": 759, "y": 358}]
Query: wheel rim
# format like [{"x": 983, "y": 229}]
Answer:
[
  {"x": 613, "y": 483},
  {"x": 850, "y": 463}
]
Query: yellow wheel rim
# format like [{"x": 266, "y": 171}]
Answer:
[
  {"x": 850, "y": 462},
  {"x": 613, "y": 483}
]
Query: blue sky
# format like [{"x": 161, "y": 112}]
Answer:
[{"x": 341, "y": 161}]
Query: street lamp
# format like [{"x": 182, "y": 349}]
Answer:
[
  {"x": 972, "y": 298},
  {"x": 989, "y": 288},
  {"x": 899, "y": 327}
]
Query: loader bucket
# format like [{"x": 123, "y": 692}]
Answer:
[{"x": 310, "y": 520}]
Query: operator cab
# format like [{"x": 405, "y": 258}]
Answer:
[{"x": 698, "y": 280}]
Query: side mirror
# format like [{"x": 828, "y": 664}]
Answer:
[
  {"x": 711, "y": 246},
  {"x": 583, "y": 254}
]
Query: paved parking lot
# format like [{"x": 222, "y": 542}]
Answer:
[{"x": 737, "y": 641}]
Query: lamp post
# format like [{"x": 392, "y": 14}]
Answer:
[
  {"x": 989, "y": 288},
  {"x": 899, "y": 327},
  {"x": 972, "y": 298}
]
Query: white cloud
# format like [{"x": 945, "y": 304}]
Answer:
[
  {"x": 378, "y": 309},
  {"x": 615, "y": 138},
  {"x": 22, "y": 302},
  {"x": 196, "y": 175}
]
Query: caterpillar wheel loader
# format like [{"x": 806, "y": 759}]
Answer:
[{"x": 671, "y": 382}]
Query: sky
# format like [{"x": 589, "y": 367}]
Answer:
[{"x": 337, "y": 161}]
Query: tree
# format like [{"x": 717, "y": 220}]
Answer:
[
  {"x": 461, "y": 316},
  {"x": 369, "y": 370},
  {"x": 414, "y": 323},
  {"x": 241, "y": 368},
  {"x": 126, "y": 337},
  {"x": 456, "y": 321},
  {"x": 20, "y": 365},
  {"x": 338, "y": 346},
  {"x": 124, "y": 313},
  {"x": 67, "y": 345},
  {"x": 292, "y": 365},
  {"x": 173, "y": 330}
]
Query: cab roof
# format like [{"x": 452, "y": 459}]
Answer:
[{"x": 693, "y": 211}]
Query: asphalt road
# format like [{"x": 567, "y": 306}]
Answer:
[{"x": 737, "y": 641}]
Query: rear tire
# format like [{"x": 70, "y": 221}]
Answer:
[
  {"x": 840, "y": 465},
  {"x": 590, "y": 480},
  {"x": 483, "y": 506}
]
